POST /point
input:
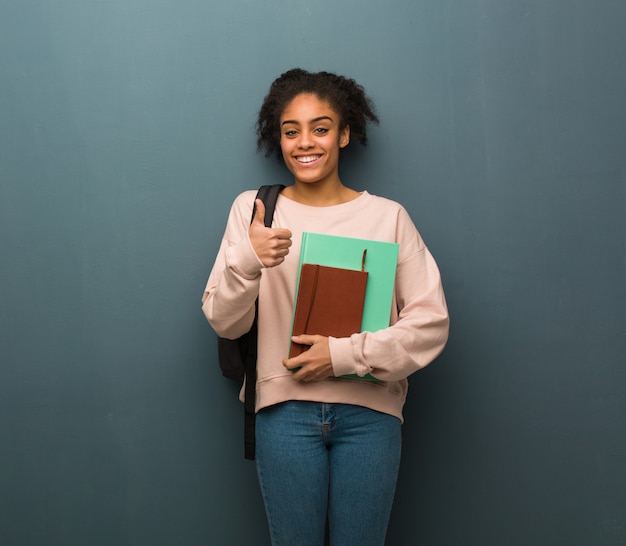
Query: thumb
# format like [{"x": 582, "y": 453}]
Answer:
[{"x": 259, "y": 215}]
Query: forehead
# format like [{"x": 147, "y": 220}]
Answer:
[{"x": 308, "y": 106}]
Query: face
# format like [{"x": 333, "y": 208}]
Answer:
[{"x": 311, "y": 139}]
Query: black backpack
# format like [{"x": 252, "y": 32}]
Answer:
[{"x": 237, "y": 357}]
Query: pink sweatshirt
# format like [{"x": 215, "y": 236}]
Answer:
[{"x": 419, "y": 319}]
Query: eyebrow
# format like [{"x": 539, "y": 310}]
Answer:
[{"x": 314, "y": 120}]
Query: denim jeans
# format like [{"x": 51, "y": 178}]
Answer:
[{"x": 317, "y": 461}]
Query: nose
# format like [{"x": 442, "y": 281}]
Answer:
[{"x": 305, "y": 141}]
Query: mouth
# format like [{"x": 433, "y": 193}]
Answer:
[{"x": 307, "y": 159}]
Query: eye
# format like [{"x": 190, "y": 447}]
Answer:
[
  {"x": 321, "y": 131},
  {"x": 290, "y": 133}
]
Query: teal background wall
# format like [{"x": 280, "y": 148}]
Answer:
[{"x": 126, "y": 129}]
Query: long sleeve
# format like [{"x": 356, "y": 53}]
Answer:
[
  {"x": 420, "y": 322},
  {"x": 233, "y": 285}
]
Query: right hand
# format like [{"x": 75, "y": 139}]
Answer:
[{"x": 270, "y": 244}]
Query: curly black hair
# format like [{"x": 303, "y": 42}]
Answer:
[{"x": 344, "y": 95}]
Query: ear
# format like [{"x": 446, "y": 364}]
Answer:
[{"x": 344, "y": 137}]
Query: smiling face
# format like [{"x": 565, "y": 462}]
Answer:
[{"x": 310, "y": 140}]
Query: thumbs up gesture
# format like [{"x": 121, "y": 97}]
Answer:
[{"x": 270, "y": 244}]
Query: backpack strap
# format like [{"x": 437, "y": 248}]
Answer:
[{"x": 269, "y": 196}]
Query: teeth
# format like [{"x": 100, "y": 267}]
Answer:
[{"x": 308, "y": 159}]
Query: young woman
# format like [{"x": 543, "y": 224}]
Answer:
[{"x": 327, "y": 447}]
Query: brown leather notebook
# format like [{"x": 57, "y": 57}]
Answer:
[{"x": 329, "y": 303}]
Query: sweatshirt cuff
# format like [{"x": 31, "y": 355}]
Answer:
[
  {"x": 242, "y": 259},
  {"x": 342, "y": 357}
]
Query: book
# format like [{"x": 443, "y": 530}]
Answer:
[
  {"x": 347, "y": 253},
  {"x": 329, "y": 303}
]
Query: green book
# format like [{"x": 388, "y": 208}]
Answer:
[{"x": 347, "y": 253}]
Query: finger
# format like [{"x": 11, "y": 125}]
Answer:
[
  {"x": 259, "y": 215},
  {"x": 303, "y": 359},
  {"x": 300, "y": 375},
  {"x": 291, "y": 363},
  {"x": 304, "y": 339},
  {"x": 284, "y": 235},
  {"x": 299, "y": 372},
  {"x": 312, "y": 372}
]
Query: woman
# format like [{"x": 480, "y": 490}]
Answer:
[{"x": 327, "y": 447}]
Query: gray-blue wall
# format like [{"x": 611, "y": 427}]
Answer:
[{"x": 126, "y": 129}]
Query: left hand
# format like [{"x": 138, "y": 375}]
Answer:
[{"x": 314, "y": 363}]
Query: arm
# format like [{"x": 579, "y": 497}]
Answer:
[
  {"x": 419, "y": 321},
  {"x": 418, "y": 333},
  {"x": 233, "y": 285}
]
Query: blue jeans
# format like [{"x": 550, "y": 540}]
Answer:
[{"x": 317, "y": 461}]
